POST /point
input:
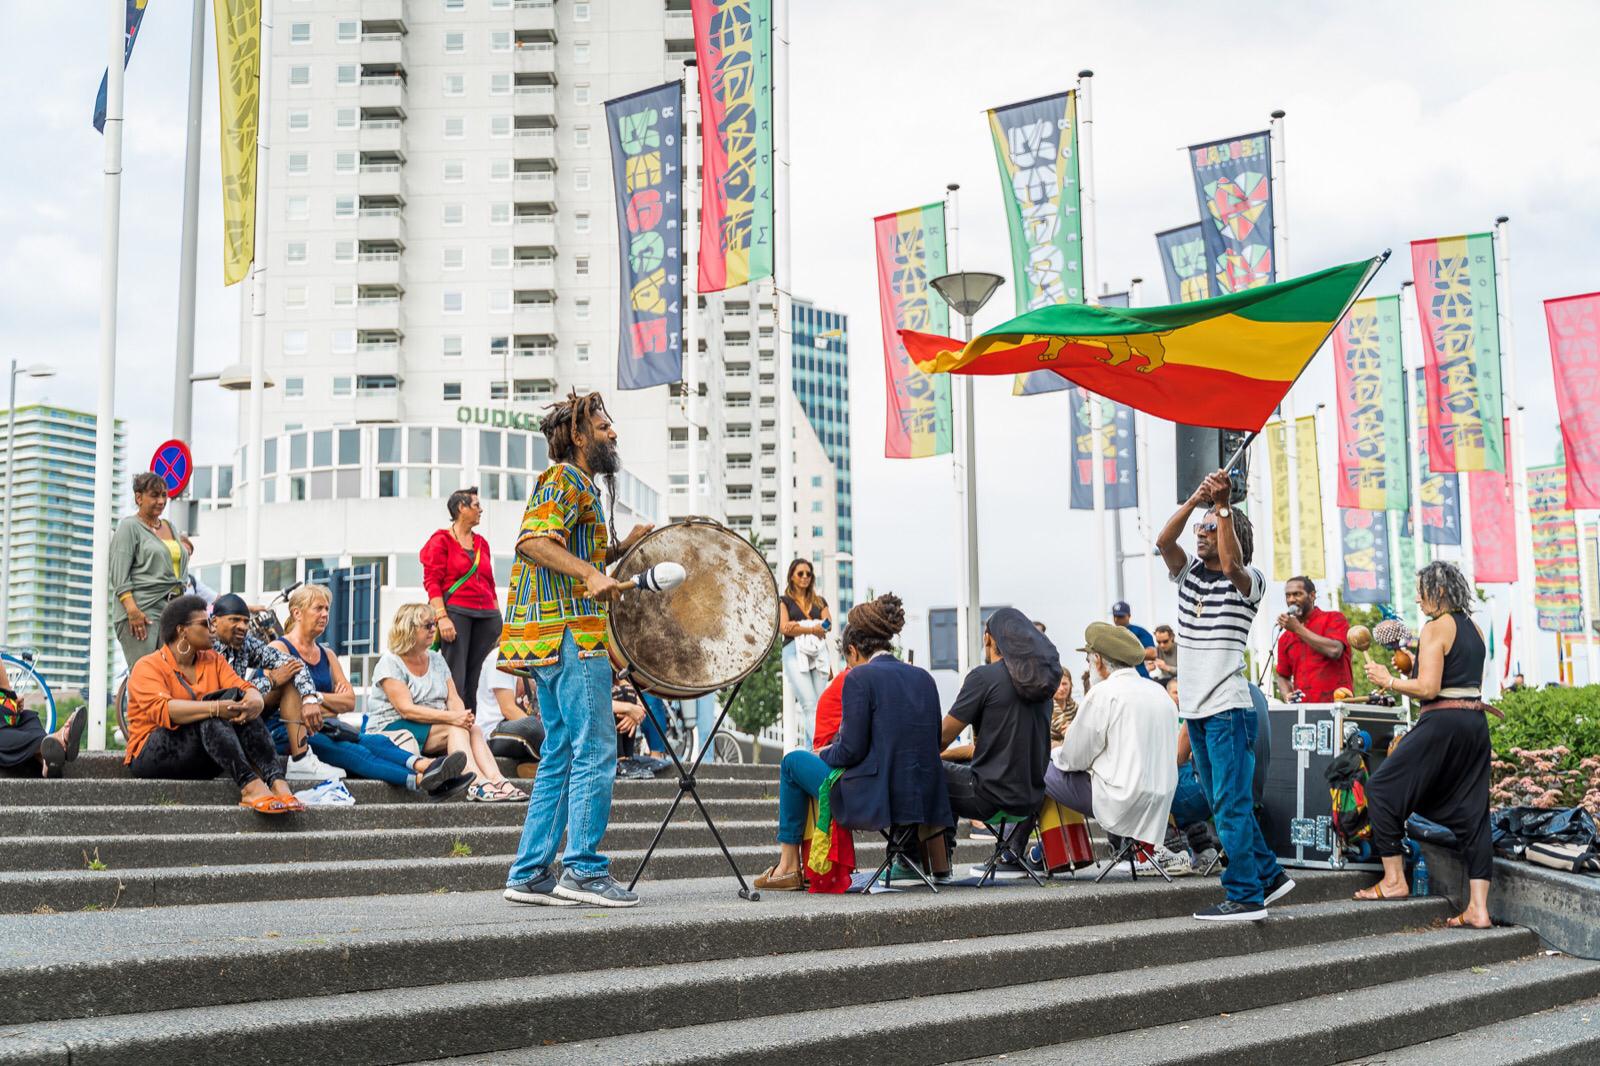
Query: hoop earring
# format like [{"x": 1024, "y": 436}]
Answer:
[{"x": 184, "y": 647}]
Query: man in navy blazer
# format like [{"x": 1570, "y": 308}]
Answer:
[{"x": 883, "y": 765}]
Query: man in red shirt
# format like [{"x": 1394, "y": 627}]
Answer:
[{"x": 1314, "y": 650}]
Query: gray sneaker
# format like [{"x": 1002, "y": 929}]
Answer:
[
  {"x": 540, "y": 891},
  {"x": 600, "y": 891}
]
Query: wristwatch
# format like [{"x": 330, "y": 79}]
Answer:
[{"x": 1224, "y": 512}]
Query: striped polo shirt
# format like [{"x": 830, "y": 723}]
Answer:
[{"x": 1214, "y": 622}]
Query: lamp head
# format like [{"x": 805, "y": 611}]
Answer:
[{"x": 968, "y": 291}]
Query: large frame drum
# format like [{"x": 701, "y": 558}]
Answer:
[{"x": 710, "y": 632}]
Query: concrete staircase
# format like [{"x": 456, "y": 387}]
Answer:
[{"x": 213, "y": 935}]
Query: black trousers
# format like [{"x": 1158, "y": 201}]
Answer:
[
  {"x": 962, "y": 784},
  {"x": 476, "y": 633},
  {"x": 200, "y": 750},
  {"x": 1439, "y": 770}
]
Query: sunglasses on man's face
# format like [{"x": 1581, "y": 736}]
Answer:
[{"x": 1205, "y": 527}]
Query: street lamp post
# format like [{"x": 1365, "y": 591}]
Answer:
[
  {"x": 37, "y": 370},
  {"x": 966, "y": 293}
]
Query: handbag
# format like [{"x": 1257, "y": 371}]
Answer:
[
  {"x": 339, "y": 730},
  {"x": 1569, "y": 858},
  {"x": 438, "y": 641}
]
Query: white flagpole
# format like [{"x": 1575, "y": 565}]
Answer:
[
  {"x": 182, "y": 386},
  {"x": 1523, "y": 590},
  {"x": 1586, "y": 565},
  {"x": 1280, "y": 258},
  {"x": 785, "y": 327},
  {"x": 1141, "y": 425},
  {"x": 1414, "y": 440},
  {"x": 1091, "y": 287},
  {"x": 689, "y": 330},
  {"x": 963, "y": 469},
  {"x": 258, "y": 309},
  {"x": 105, "y": 429}
]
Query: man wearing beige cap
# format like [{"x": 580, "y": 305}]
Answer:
[{"x": 1118, "y": 762}]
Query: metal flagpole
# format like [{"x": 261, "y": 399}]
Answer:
[
  {"x": 785, "y": 328},
  {"x": 258, "y": 308},
  {"x": 963, "y": 467},
  {"x": 1414, "y": 441},
  {"x": 1141, "y": 428},
  {"x": 182, "y": 386},
  {"x": 689, "y": 331},
  {"x": 105, "y": 428},
  {"x": 1280, "y": 259},
  {"x": 1523, "y": 590},
  {"x": 1091, "y": 284},
  {"x": 1586, "y": 563}
]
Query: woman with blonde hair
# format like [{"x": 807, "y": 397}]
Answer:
[
  {"x": 804, "y": 624},
  {"x": 413, "y": 701},
  {"x": 371, "y": 755}
]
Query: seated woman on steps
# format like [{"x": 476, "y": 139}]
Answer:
[
  {"x": 1440, "y": 769},
  {"x": 370, "y": 755},
  {"x": 413, "y": 701},
  {"x": 26, "y": 750},
  {"x": 884, "y": 762},
  {"x": 191, "y": 717}
]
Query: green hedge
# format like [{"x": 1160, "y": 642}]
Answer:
[{"x": 1549, "y": 717}]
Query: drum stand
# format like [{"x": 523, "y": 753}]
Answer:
[{"x": 687, "y": 787}]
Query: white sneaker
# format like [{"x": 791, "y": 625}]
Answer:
[
  {"x": 310, "y": 768},
  {"x": 1175, "y": 863}
]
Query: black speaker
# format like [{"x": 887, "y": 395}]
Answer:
[{"x": 1202, "y": 450}]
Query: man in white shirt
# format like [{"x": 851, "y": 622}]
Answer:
[{"x": 1118, "y": 761}]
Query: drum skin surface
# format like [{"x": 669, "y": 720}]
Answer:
[{"x": 708, "y": 633}]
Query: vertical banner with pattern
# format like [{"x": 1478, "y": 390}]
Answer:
[
  {"x": 1557, "y": 592},
  {"x": 1036, "y": 147},
  {"x": 1457, "y": 308},
  {"x": 1371, "y": 384},
  {"x": 1183, "y": 261},
  {"x": 1405, "y": 603},
  {"x": 1441, "y": 493},
  {"x": 1282, "y": 525},
  {"x": 1364, "y": 546},
  {"x": 238, "y": 84},
  {"x": 911, "y": 252},
  {"x": 1494, "y": 529},
  {"x": 647, "y": 176},
  {"x": 1574, "y": 325},
  {"x": 132, "y": 19},
  {"x": 733, "y": 49},
  {"x": 1308, "y": 487},
  {"x": 1116, "y": 450},
  {"x": 1233, "y": 185}
]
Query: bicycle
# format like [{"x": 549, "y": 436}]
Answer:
[
  {"x": 680, "y": 736},
  {"x": 33, "y": 692}
]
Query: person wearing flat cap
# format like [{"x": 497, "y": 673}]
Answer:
[
  {"x": 1118, "y": 762},
  {"x": 1007, "y": 702}
]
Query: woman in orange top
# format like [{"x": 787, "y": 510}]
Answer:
[{"x": 175, "y": 733}]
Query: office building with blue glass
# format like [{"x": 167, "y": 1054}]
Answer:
[{"x": 822, "y": 384}]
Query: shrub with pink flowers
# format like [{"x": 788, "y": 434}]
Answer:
[
  {"x": 1547, "y": 778},
  {"x": 1547, "y": 750}
]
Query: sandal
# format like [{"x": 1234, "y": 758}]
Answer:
[
  {"x": 54, "y": 755},
  {"x": 1373, "y": 893},
  {"x": 453, "y": 787},
  {"x": 76, "y": 723},
  {"x": 269, "y": 804},
  {"x": 482, "y": 793},
  {"x": 509, "y": 792},
  {"x": 1460, "y": 922}
]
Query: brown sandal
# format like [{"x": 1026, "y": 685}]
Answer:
[{"x": 270, "y": 804}]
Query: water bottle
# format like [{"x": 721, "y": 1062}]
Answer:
[{"x": 1419, "y": 878}]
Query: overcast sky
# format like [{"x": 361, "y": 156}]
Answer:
[{"x": 1404, "y": 121}]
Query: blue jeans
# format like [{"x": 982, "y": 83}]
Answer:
[
  {"x": 800, "y": 778},
  {"x": 577, "y": 768},
  {"x": 705, "y": 716},
  {"x": 376, "y": 757},
  {"x": 807, "y": 686},
  {"x": 1225, "y": 761},
  {"x": 655, "y": 723},
  {"x": 1189, "y": 803}
]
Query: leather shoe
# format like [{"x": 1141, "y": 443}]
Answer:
[{"x": 772, "y": 882}]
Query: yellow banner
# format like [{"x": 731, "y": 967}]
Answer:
[
  {"x": 1308, "y": 487},
  {"x": 1278, "y": 470},
  {"x": 238, "y": 78}
]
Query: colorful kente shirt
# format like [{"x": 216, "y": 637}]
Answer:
[{"x": 543, "y": 606}]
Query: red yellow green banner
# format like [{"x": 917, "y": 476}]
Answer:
[
  {"x": 911, "y": 252},
  {"x": 1459, "y": 313},
  {"x": 1370, "y": 373}
]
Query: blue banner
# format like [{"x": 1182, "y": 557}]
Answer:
[
  {"x": 1364, "y": 546},
  {"x": 1183, "y": 260},
  {"x": 134, "y": 16},
  {"x": 1233, "y": 185},
  {"x": 1116, "y": 451},
  {"x": 647, "y": 173},
  {"x": 1440, "y": 493}
]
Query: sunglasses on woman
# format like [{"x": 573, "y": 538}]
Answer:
[{"x": 428, "y": 627}]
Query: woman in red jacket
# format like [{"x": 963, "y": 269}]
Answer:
[{"x": 459, "y": 578}]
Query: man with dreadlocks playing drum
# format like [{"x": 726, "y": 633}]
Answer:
[{"x": 555, "y": 633}]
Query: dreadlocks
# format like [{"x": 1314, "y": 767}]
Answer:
[
  {"x": 1246, "y": 534},
  {"x": 562, "y": 422},
  {"x": 1443, "y": 584}
]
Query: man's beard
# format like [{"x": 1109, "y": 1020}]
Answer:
[{"x": 602, "y": 457}]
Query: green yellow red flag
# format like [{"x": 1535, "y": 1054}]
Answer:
[{"x": 1225, "y": 362}]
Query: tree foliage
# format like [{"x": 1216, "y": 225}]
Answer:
[{"x": 1360, "y": 614}]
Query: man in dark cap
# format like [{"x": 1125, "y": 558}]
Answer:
[
  {"x": 1006, "y": 701},
  {"x": 293, "y": 705}
]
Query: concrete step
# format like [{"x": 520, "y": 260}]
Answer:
[
  {"x": 953, "y": 977},
  {"x": 1364, "y": 1023},
  {"x": 127, "y": 792},
  {"x": 104, "y": 821},
  {"x": 68, "y": 965},
  {"x": 70, "y": 890},
  {"x": 1561, "y": 1036},
  {"x": 108, "y": 764}
]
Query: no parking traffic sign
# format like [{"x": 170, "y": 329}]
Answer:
[{"x": 173, "y": 464}]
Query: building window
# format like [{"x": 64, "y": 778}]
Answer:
[
  {"x": 455, "y": 42},
  {"x": 580, "y": 136},
  {"x": 342, "y": 387},
  {"x": 294, "y": 388},
  {"x": 580, "y": 179},
  {"x": 816, "y": 508},
  {"x": 500, "y": 214},
  {"x": 453, "y": 302},
  {"x": 580, "y": 266},
  {"x": 299, "y": 76},
  {"x": 580, "y": 51},
  {"x": 580, "y": 222},
  {"x": 294, "y": 253},
  {"x": 294, "y": 342},
  {"x": 344, "y": 207},
  {"x": 499, "y": 5},
  {"x": 455, "y": 5},
  {"x": 299, "y": 33},
  {"x": 497, "y": 390},
  {"x": 348, "y": 74},
  {"x": 294, "y": 297},
  {"x": 299, "y": 120},
  {"x": 455, "y": 258},
  {"x": 455, "y": 127},
  {"x": 816, "y": 481},
  {"x": 500, "y": 301},
  {"x": 580, "y": 12},
  {"x": 581, "y": 310},
  {"x": 500, "y": 257},
  {"x": 345, "y": 118},
  {"x": 297, "y": 208},
  {"x": 455, "y": 170},
  {"x": 450, "y": 347},
  {"x": 500, "y": 41},
  {"x": 580, "y": 93},
  {"x": 347, "y": 31},
  {"x": 500, "y": 170},
  {"x": 344, "y": 251},
  {"x": 344, "y": 163},
  {"x": 342, "y": 342},
  {"x": 500, "y": 84},
  {"x": 499, "y": 125},
  {"x": 299, "y": 163},
  {"x": 455, "y": 85},
  {"x": 583, "y": 353},
  {"x": 454, "y": 214},
  {"x": 499, "y": 346},
  {"x": 452, "y": 392}
]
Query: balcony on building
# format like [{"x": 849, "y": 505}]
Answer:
[
  {"x": 379, "y": 309},
  {"x": 535, "y": 230},
  {"x": 380, "y": 357},
  {"x": 737, "y": 324},
  {"x": 383, "y": 43},
  {"x": 381, "y": 266},
  {"x": 385, "y": 135},
  {"x": 534, "y": 20},
  {"x": 537, "y": 58},
  {"x": 535, "y": 274},
  {"x": 534, "y": 316},
  {"x": 378, "y": 399},
  {"x": 534, "y": 106},
  {"x": 383, "y": 92},
  {"x": 391, "y": 14},
  {"x": 535, "y": 191},
  {"x": 535, "y": 362},
  {"x": 385, "y": 224},
  {"x": 679, "y": 28},
  {"x": 535, "y": 149},
  {"x": 385, "y": 180}
]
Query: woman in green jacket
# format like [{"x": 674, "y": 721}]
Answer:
[{"x": 148, "y": 566}]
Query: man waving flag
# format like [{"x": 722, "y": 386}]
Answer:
[{"x": 1226, "y": 362}]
